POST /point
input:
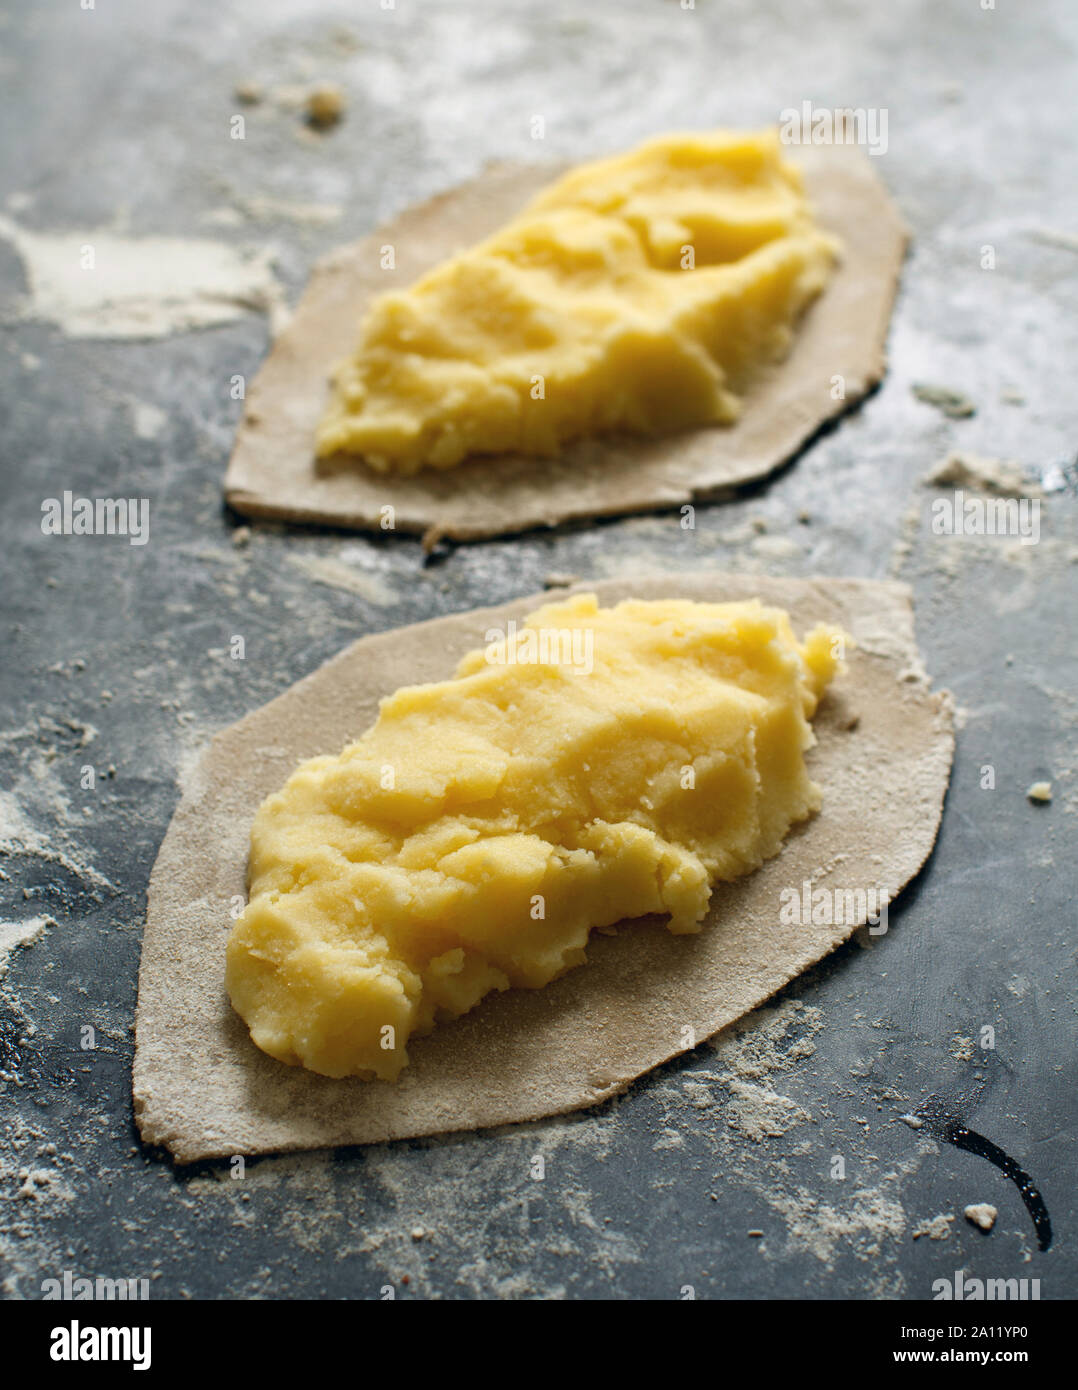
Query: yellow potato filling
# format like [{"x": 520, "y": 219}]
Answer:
[
  {"x": 591, "y": 765},
  {"x": 636, "y": 294}
]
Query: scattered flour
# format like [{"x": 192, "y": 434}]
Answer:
[
  {"x": 337, "y": 574},
  {"x": 736, "y": 1109},
  {"x": 18, "y": 836},
  {"x": 36, "y": 1185},
  {"x": 870, "y": 1218},
  {"x": 530, "y": 1200},
  {"x": 760, "y": 1113},
  {"x": 935, "y": 1228},
  {"x": 769, "y": 1040}
]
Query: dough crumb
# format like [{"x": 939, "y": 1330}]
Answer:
[
  {"x": 558, "y": 579},
  {"x": 241, "y": 536},
  {"x": 248, "y": 93},
  {"x": 981, "y": 1214},
  {"x": 937, "y": 1228},
  {"x": 1002, "y": 477},
  {"x": 776, "y": 547},
  {"x": 950, "y": 403},
  {"x": 324, "y": 106},
  {"x": 1040, "y": 792}
]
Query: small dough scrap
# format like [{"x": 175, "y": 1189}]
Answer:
[
  {"x": 324, "y": 105},
  {"x": 1040, "y": 792},
  {"x": 201, "y": 1086},
  {"x": 1002, "y": 477},
  {"x": 981, "y": 1214},
  {"x": 638, "y": 293},
  {"x": 591, "y": 765},
  {"x": 837, "y": 355},
  {"x": 950, "y": 402}
]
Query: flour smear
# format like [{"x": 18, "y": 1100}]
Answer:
[
  {"x": 16, "y": 934},
  {"x": 99, "y": 284}
]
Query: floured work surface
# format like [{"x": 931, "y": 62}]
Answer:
[
  {"x": 203, "y": 1089},
  {"x": 837, "y": 356}
]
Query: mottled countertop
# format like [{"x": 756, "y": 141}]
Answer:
[{"x": 115, "y": 655}]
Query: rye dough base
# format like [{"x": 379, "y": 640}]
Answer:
[
  {"x": 203, "y": 1089},
  {"x": 274, "y": 473}
]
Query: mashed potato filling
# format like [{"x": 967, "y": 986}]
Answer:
[
  {"x": 636, "y": 294},
  {"x": 592, "y": 765}
]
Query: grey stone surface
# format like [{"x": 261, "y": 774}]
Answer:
[{"x": 115, "y": 656}]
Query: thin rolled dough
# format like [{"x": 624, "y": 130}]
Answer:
[
  {"x": 203, "y": 1089},
  {"x": 273, "y": 471}
]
